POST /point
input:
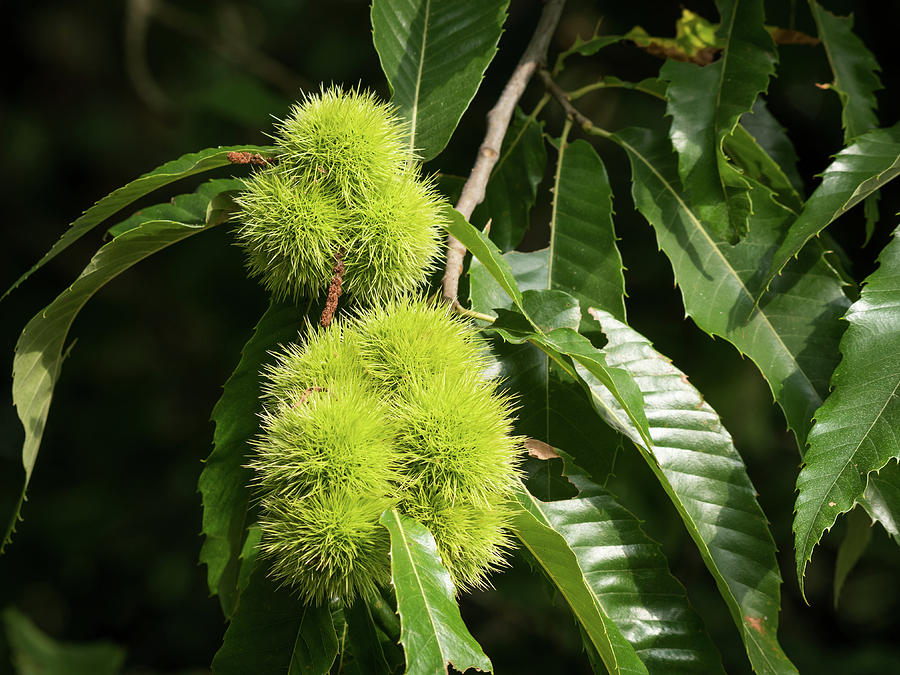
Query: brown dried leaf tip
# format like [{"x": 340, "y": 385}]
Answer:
[{"x": 247, "y": 158}]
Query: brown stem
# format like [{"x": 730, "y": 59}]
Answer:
[
  {"x": 334, "y": 290},
  {"x": 571, "y": 112},
  {"x": 498, "y": 121}
]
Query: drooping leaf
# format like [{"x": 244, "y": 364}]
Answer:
[
  {"x": 272, "y": 633},
  {"x": 33, "y": 652},
  {"x": 695, "y": 461},
  {"x": 855, "y": 70},
  {"x": 39, "y": 350},
  {"x": 569, "y": 349},
  {"x": 871, "y": 161},
  {"x": 486, "y": 251},
  {"x": 192, "y": 208},
  {"x": 224, "y": 481},
  {"x": 187, "y": 165},
  {"x": 434, "y": 54},
  {"x": 431, "y": 629},
  {"x": 853, "y": 545},
  {"x": 706, "y": 103},
  {"x": 552, "y": 406},
  {"x": 882, "y": 499},
  {"x": 628, "y": 574},
  {"x": 719, "y": 283},
  {"x": 558, "y": 562},
  {"x": 774, "y": 139},
  {"x": 512, "y": 188},
  {"x": 855, "y": 432}
]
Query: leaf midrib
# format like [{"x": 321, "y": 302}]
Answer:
[
  {"x": 421, "y": 65},
  {"x": 415, "y": 572}
]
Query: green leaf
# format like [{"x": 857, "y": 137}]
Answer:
[
  {"x": 853, "y": 545},
  {"x": 719, "y": 283},
  {"x": 773, "y": 138},
  {"x": 694, "y": 459},
  {"x": 584, "y": 260},
  {"x": 512, "y": 189},
  {"x": 431, "y": 629},
  {"x": 364, "y": 643},
  {"x": 224, "y": 481},
  {"x": 187, "y": 165},
  {"x": 855, "y": 432},
  {"x": 556, "y": 559},
  {"x": 571, "y": 350},
  {"x": 706, "y": 104},
  {"x": 485, "y": 251},
  {"x": 434, "y": 54},
  {"x": 855, "y": 70},
  {"x": 552, "y": 405},
  {"x": 35, "y": 653},
  {"x": 882, "y": 499},
  {"x": 39, "y": 350},
  {"x": 192, "y": 208},
  {"x": 756, "y": 163},
  {"x": 857, "y": 171},
  {"x": 272, "y": 633},
  {"x": 628, "y": 575},
  {"x": 587, "y": 47}
]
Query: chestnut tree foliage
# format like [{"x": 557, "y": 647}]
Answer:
[{"x": 715, "y": 176}]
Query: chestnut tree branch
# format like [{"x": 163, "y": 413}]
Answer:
[{"x": 498, "y": 119}]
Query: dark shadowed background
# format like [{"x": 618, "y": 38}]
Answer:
[{"x": 95, "y": 93}]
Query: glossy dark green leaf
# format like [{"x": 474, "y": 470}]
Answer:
[
  {"x": 192, "y": 208},
  {"x": 853, "y": 545},
  {"x": 571, "y": 350},
  {"x": 272, "y": 633},
  {"x": 855, "y": 432},
  {"x": 695, "y": 461},
  {"x": 882, "y": 499},
  {"x": 705, "y": 104},
  {"x": 35, "y": 653},
  {"x": 431, "y": 629},
  {"x": 39, "y": 350},
  {"x": 552, "y": 406},
  {"x": 871, "y": 161},
  {"x": 512, "y": 189},
  {"x": 187, "y": 165},
  {"x": 434, "y": 54},
  {"x": 855, "y": 70},
  {"x": 558, "y": 562},
  {"x": 719, "y": 283},
  {"x": 224, "y": 481},
  {"x": 774, "y": 139},
  {"x": 629, "y": 576}
]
